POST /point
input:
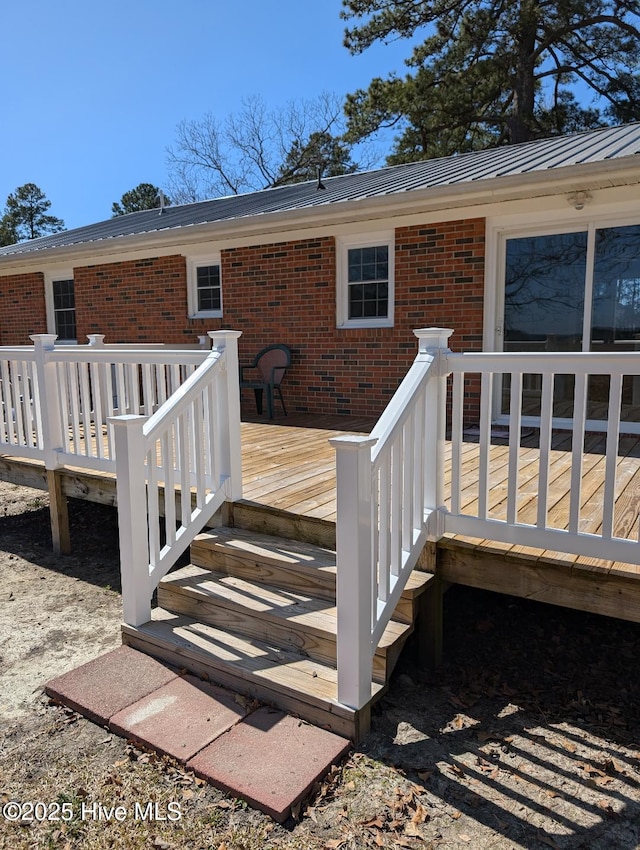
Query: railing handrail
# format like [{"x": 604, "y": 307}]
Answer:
[
  {"x": 159, "y": 356},
  {"x": 396, "y": 412},
  {"x": 556, "y": 362}
]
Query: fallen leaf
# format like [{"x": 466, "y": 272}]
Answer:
[
  {"x": 374, "y": 823},
  {"x": 420, "y": 815},
  {"x": 425, "y": 775},
  {"x": 334, "y": 843},
  {"x": 464, "y": 837}
]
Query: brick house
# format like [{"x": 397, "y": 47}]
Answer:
[{"x": 532, "y": 246}]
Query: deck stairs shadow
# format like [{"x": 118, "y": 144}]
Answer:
[{"x": 257, "y": 613}]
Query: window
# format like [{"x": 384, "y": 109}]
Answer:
[
  {"x": 205, "y": 287},
  {"x": 573, "y": 291},
  {"x": 365, "y": 281},
  {"x": 61, "y": 306}
]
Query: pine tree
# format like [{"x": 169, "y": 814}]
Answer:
[
  {"x": 25, "y": 215},
  {"x": 492, "y": 72},
  {"x": 145, "y": 196}
]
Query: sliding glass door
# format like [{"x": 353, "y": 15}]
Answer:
[{"x": 577, "y": 291}]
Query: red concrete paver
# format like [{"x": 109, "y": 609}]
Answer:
[
  {"x": 270, "y": 759},
  {"x": 179, "y": 718},
  {"x": 109, "y": 683}
]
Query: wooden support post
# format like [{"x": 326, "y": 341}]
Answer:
[
  {"x": 429, "y": 623},
  {"x": 59, "y": 512}
]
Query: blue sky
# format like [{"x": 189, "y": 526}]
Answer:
[{"x": 93, "y": 92}]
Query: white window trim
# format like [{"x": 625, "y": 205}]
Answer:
[
  {"x": 49, "y": 278},
  {"x": 193, "y": 263},
  {"x": 363, "y": 240}
]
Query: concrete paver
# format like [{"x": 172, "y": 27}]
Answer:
[
  {"x": 180, "y": 718},
  {"x": 109, "y": 683},
  {"x": 271, "y": 759}
]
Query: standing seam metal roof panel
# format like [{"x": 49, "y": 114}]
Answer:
[{"x": 542, "y": 155}]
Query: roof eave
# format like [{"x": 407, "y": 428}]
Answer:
[{"x": 447, "y": 197}]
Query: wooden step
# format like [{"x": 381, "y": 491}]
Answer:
[
  {"x": 277, "y": 561},
  {"x": 290, "y": 564},
  {"x": 255, "y": 668},
  {"x": 296, "y": 621}
]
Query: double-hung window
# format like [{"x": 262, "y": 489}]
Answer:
[
  {"x": 205, "y": 287},
  {"x": 61, "y": 306},
  {"x": 365, "y": 281}
]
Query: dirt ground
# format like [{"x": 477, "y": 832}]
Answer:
[{"x": 527, "y": 737}]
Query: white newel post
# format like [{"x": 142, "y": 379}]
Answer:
[
  {"x": 433, "y": 342},
  {"x": 48, "y": 398},
  {"x": 132, "y": 517},
  {"x": 229, "y": 406},
  {"x": 354, "y": 582}
]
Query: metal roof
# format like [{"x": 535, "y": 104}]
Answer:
[{"x": 594, "y": 146}]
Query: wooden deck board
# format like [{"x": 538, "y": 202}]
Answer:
[{"x": 290, "y": 469}]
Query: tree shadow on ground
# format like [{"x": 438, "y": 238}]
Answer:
[{"x": 530, "y": 727}]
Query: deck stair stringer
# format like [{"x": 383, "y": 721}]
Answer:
[{"x": 257, "y": 613}]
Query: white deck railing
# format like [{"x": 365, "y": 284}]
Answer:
[
  {"x": 166, "y": 421},
  {"x": 186, "y": 459},
  {"x": 499, "y": 517},
  {"x": 389, "y": 489},
  {"x": 56, "y": 401},
  {"x": 392, "y": 497}
]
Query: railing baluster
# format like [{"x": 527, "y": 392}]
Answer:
[
  {"x": 185, "y": 477},
  {"x": 515, "y": 424},
  {"x": 577, "y": 450},
  {"x": 417, "y": 519},
  {"x": 153, "y": 508},
  {"x": 168, "y": 467},
  {"x": 98, "y": 417},
  {"x": 85, "y": 407},
  {"x": 121, "y": 402},
  {"x": 16, "y": 379},
  {"x": 407, "y": 485},
  {"x": 456, "y": 439},
  {"x": 486, "y": 385},
  {"x": 198, "y": 438},
  {"x": 384, "y": 546},
  {"x": 396, "y": 505},
  {"x": 6, "y": 420},
  {"x": 546, "y": 414},
  {"x": 611, "y": 463},
  {"x": 27, "y": 403},
  {"x": 133, "y": 381}
]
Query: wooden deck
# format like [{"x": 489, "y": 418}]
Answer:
[{"x": 290, "y": 489}]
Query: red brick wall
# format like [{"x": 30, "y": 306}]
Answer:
[
  {"x": 135, "y": 301},
  {"x": 22, "y": 308},
  {"x": 285, "y": 292}
]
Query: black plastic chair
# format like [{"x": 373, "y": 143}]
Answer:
[{"x": 271, "y": 365}]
